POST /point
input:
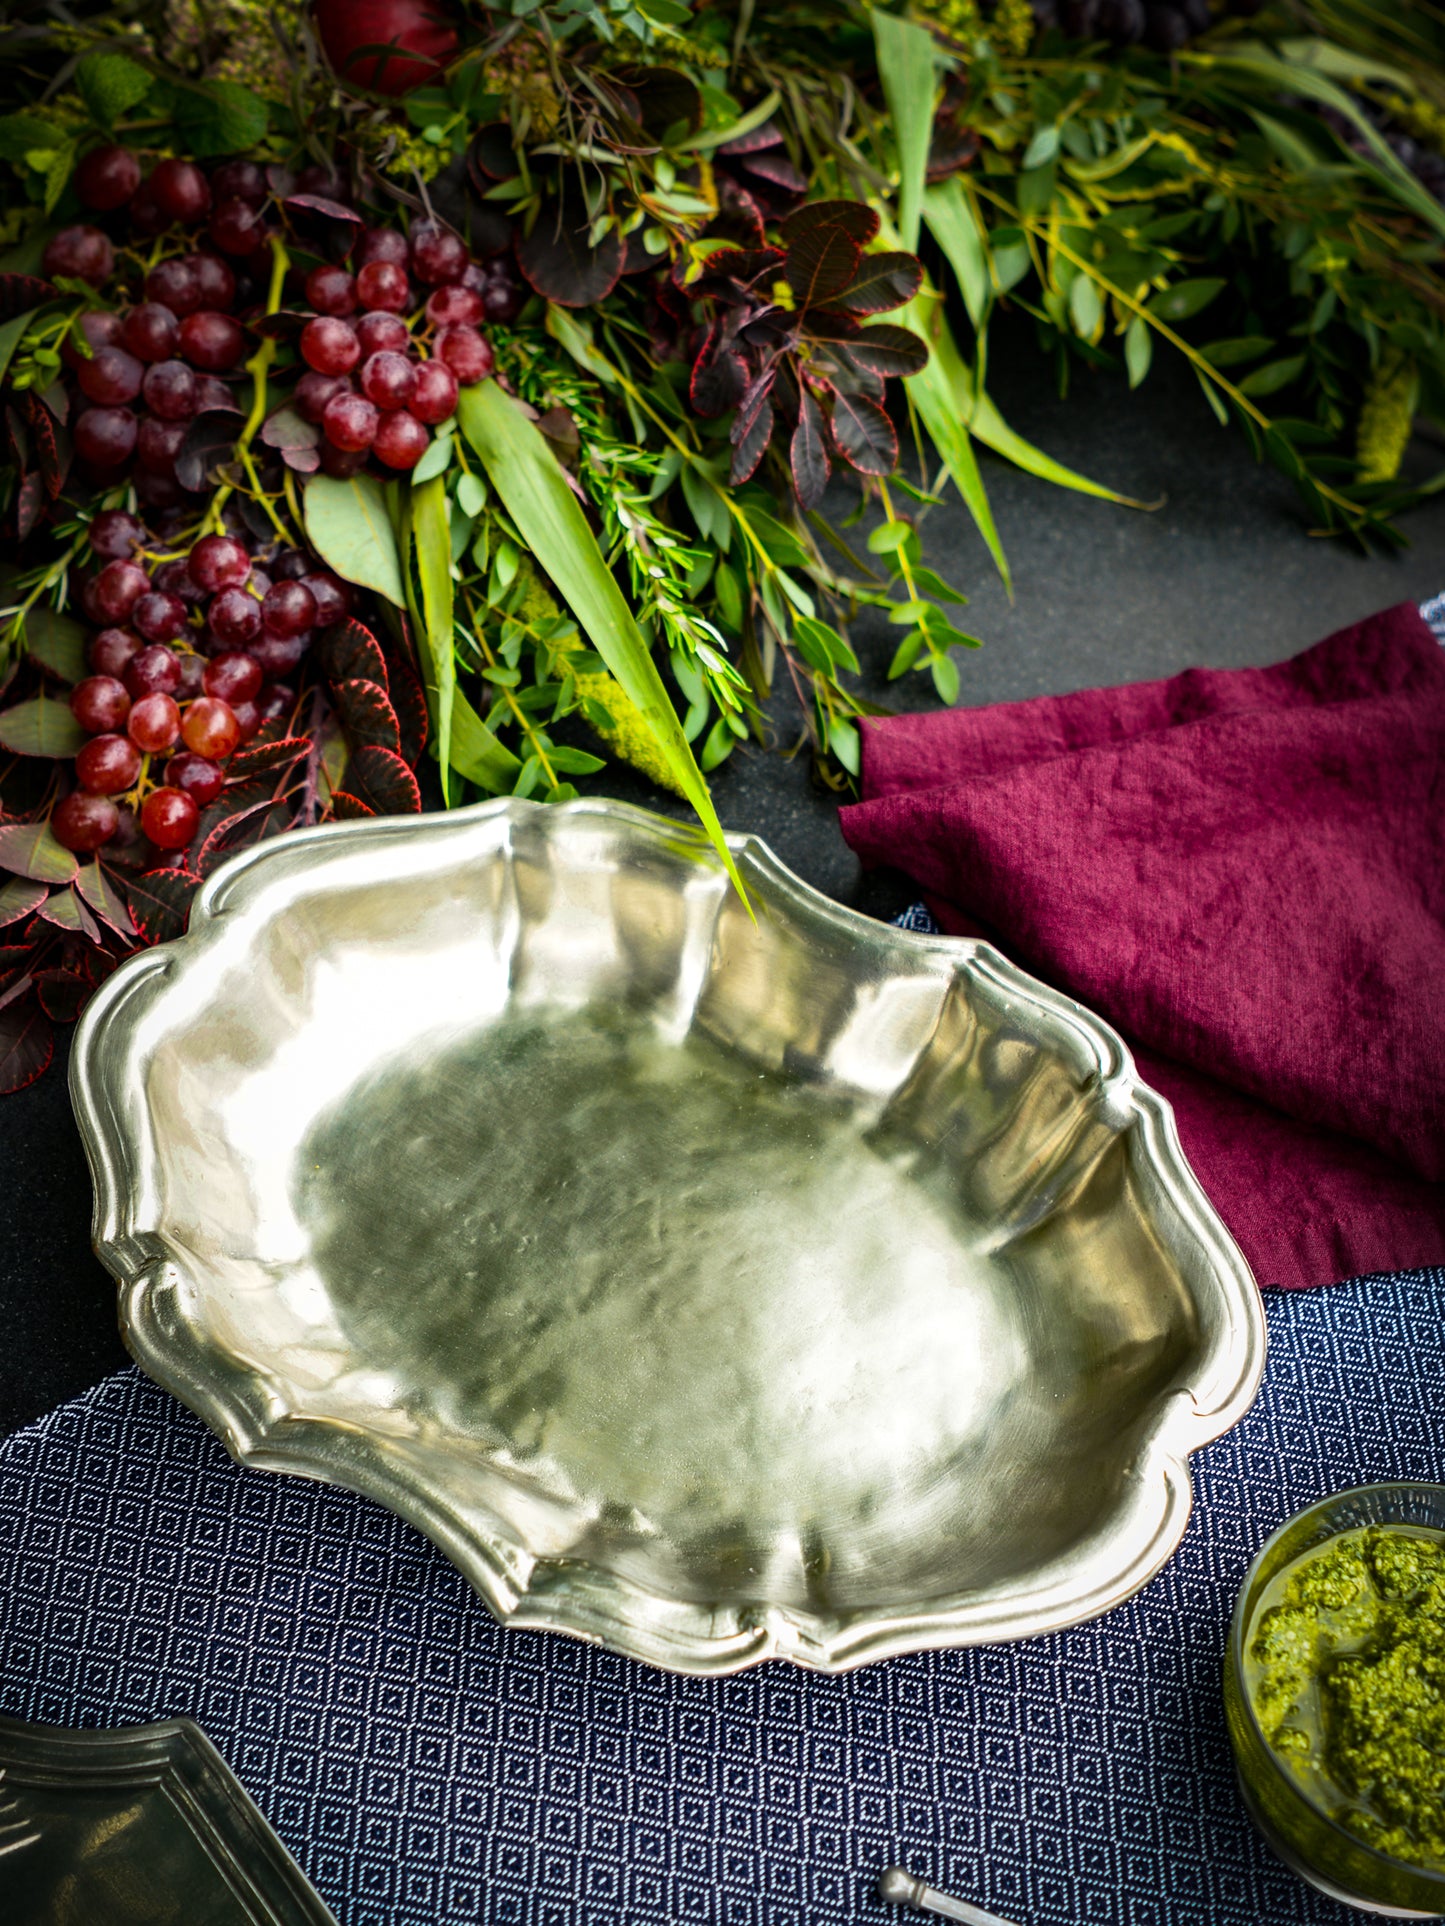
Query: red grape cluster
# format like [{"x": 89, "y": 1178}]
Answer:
[
  {"x": 190, "y": 660},
  {"x": 373, "y": 380}
]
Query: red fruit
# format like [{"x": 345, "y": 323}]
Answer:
[
  {"x": 435, "y": 395},
  {"x": 401, "y": 440},
  {"x": 175, "y": 579},
  {"x": 383, "y": 287},
  {"x": 387, "y": 379},
  {"x": 158, "y": 444},
  {"x": 503, "y": 300},
  {"x": 248, "y": 718},
  {"x": 153, "y": 671},
  {"x": 218, "y": 562},
  {"x": 275, "y": 701},
  {"x": 83, "y": 253},
  {"x": 115, "y": 534},
  {"x": 154, "y": 723},
  {"x": 341, "y": 463},
  {"x": 84, "y": 823},
  {"x": 111, "y": 650},
  {"x": 288, "y": 609},
  {"x": 216, "y": 281},
  {"x": 313, "y": 391},
  {"x": 329, "y": 345},
  {"x": 175, "y": 284},
  {"x": 290, "y": 564},
  {"x": 99, "y": 330},
  {"x": 110, "y": 377},
  {"x": 193, "y": 674},
  {"x": 118, "y": 587},
  {"x": 106, "y": 178},
  {"x": 239, "y": 180},
  {"x": 278, "y": 654},
  {"x": 233, "y": 677},
  {"x": 147, "y": 217},
  {"x": 210, "y": 728},
  {"x": 382, "y": 333},
  {"x": 212, "y": 341},
  {"x": 180, "y": 190},
  {"x": 331, "y": 290},
  {"x": 350, "y": 423},
  {"x": 150, "y": 332},
  {"x": 159, "y": 616},
  {"x": 455, "y": 307},
  {"x": 237, "y": 228},
  {"x": 108, "y": 766},
  {"x": 420, "y": 31},
  {"x": 437, "y": 255},
  {"x": 170, "y": 390},
  {"x": 467, "y": 353},
  {"x": 197, "y": 776},
  {"x": 169, "y": 817},
  {"x": 384, "y": 244},
  {"x": 157, "y": 491},
  {"x": 332, "y": 597},
  {"x": 99, "y": 704}
]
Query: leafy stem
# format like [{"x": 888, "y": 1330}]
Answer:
[{"x": 258, "y": 367}]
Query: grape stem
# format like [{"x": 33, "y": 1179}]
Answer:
[{"x": 258, "y": 368}]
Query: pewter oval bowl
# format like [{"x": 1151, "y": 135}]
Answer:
[{"x": 717, "y": 1289}]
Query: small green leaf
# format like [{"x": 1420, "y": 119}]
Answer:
[
  {"x": 575, "y": 762},
  {"x": 1185, "y": 298},
  {"x": 906, "y": 654},
  {"x": 1239, "y": 347},
  {"x": 933, "y": 584},
  {"x": 351, "y": 530},
  {"x": 889, "y": 537},
  {"x": 1042, "y": 148},
  {"x": 220, "y": 117},
  {"x": 844, "y": 743},
  {"x": 41, "y": 727},
  {"x": 29, "y": 849},
  {"x": 1138, "y": 349},
  {"x": 1273, "y": 376},
  {"x": 718, "y": 747},
  {"x": 57, "y": 641},
  {"x": 471, "y": 495},
  {"x": 476, "y": 753},
  {"x": 1086, "y": 310},
  {"x": 945, "y": 677},
  {"x": 110, "y": 85},
  {"x": 728, "y": 590},
  {"x": 435, "y": 461}
]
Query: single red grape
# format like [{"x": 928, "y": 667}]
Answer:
[
  {"x": 313, "y": 391},
  {"x": 467, "y": 353},
  {"x": 181, "y": 190},
  {"x": 259, "y": 582},
  {"x": 147, "y": 217},
  {"x": 82, "y": 253},
  {"x": 108, "y": 766},
  {"x": 111, "y": 650},
  {"x": 288, "y": 609},
  {"x": 290, "y": 564},
  {"x": 106, "y": 178},
  {"x": 379, "y": 333},
  {"x": 455, "y": 307},
  {"x": 218, "y": 562},
  {"x": 276, "y": 700},
  {"x": 159, "y": 617},
  {"x": 333, "y": 597},
  {"x": 279, "y": 654},
  {"x": 153, "y": 671},
  {"x": 329, "y": 345},
  {"x": 248, "y": 718},
  {"x": 233, "y": 677},
  {"x": 212, "y": 341},
  {"x": 99, "y": 329},
  {"x": 170, "y": 390},
  {"x": 322, "y": 182},
  {"x": 237, "y": 228},
  {"x": 502, "y": 300},
  {"x": 175, "y": 284},
  {"x": 382, "y": 285},
  {"x": 210, "y": 729},
  {"x": 239, "y": 180},
  {"x": 154, "y": 723},
  {"x": 193, "y": 675},
  {"x": 384, "y": 244},
  {"x": 110, "y": 377},
  {"x": 157, "y": 491},
  {"x": 331, "y": 290},
  {"x": 169, "y": 817},
  {"x": 388, "y": 379},
  {"x": 118, "y": 587},
  {"x": 437, "y": 255},
  {"x": 83, "y": 823},
  {"x": 115, "y": 534},
  {"x": 341, "y": 463},
  {"x": 150, "y": 332},
  {"x": 100, "y": 703},
  {"x": 201, "y": 779},
  {"x": 158, "y": 444},
  {"x": 216, "y": 280},
  {"x": 235, "y": 618},
  {"x": 350, "y": 422},
  {"x": 175, "y": 579},
  {"x": 435, "y": 395},
  {"x": 401, "y": 440}
]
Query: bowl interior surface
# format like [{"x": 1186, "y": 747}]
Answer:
[{"x": 735, "y": 1262}]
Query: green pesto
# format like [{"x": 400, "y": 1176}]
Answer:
[{"x": 1347, "y": 1677}]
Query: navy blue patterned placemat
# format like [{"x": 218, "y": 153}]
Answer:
[{"x": 425, "y": 1766}]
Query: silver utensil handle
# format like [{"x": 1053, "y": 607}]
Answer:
[{"x": 904, "y": 1890}]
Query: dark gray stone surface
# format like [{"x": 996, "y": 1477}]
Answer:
[{"x": 1223, "y": 573}]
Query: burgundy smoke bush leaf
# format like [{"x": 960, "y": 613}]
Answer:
[
  {"x": 409, "y": 700},
  {"x": 864, "y": 435},
  {"x": 883, "y": 281},
  {"x": 350, "y": 650},
  {"x": 347, "y": 808},
  {"x": 257, "y": 759},
  {"x": 63, "y": 994},
  {"x": 719, "y": 376},
  {"x": 210, "y": 440},
  {"x": 19, "y": 293},
  {"x": 29, "y": 504},
  {"x": 732, "y": 273},
  {"x": 380, "y": 779},
  {"x": 367, "y": 715},
  {"x": 160, "y": 901},
  {"x": 27, "y": 1043},
  {"x": 558, "y": 260},
  {"x": 888, "y": 350},
  {"x": 822, "y": 262},
  {"x": 750, "y": 447},
  {"x": 19, "y": 898},
  {"x": 318, "y": 204},
  {"x": 776, "y": 170},
  {"x": 757, "y": 140},
  {"x": 857, "y": 220},
  {"x": 832, "y": 324},
  {"x": 247, "y": 826},
  {"x": 52, "y": 456},
  {"x": 738, "y": 212},
  {"x": 285, "y": 429},
  {"x": 809, "y": 452}
]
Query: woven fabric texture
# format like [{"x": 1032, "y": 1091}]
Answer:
[{"x": 426, "y": 1766}]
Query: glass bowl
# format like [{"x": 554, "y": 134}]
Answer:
[{"x": 1310, "y": 1843}]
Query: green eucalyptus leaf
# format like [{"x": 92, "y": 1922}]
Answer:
[
  {"x": 844, "y": 743},
  {"x": 944, "y": 671},
  {"x": 1273, "y": 376},
  {"x": 1138, "y": 349},
  {"x": 1237, "y": 348},
  {"x": 435, "y": 461},
  {"x": 41, "y": 727},
  {"x": 57, "y": 642},
  {"x": 1186, "y": 298},
  {"x": 350, "y": 529}
]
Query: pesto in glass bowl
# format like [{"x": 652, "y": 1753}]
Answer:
[{"x": 1334, "y": 1694}]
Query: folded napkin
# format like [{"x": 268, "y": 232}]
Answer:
[{"x": 1244, "y": 871}]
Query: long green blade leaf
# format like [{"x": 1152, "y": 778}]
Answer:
[
  {"x": 432, "y": 538},
  {"x": 950, "y": 221},
  {"x": 477, "y": 754},
  {"x": 526, "y": 476},
  {"x": 987, "y": 425},
  {"x": 906, "y": 66},
  {"x": 935, "y": 391}
]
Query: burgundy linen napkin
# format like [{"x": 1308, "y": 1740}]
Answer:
[{"x": 1244, "y": 871}]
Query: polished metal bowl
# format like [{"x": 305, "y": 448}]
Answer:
[{"x": 717, "y": 1284}]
